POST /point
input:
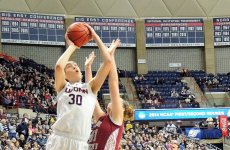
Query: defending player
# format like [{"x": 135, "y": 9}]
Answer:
[
  {"x": 108, "y": 130},
  {"x": 76, "y": 100}
]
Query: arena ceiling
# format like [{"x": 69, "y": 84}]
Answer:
[{"x": 122, "y": 8}]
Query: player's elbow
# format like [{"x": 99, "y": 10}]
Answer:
[
  {"x": 108, "y": 62},
  {"x": 59, "y": 66}
]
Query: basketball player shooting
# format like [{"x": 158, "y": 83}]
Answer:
[
  {"x": 107, "y": 132},
  {"x": 76, "y": 100}
]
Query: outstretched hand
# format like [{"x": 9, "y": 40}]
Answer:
[
  {"x": 115, "y": 43},
  {"x": 89, "y": 60},
  {"x": 93, "y": 33}
]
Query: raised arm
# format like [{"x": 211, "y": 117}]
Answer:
[
  {"x": 117, "y": 105},
  {"x": 88, "y": 66},
  {"x": 103, "y": 71},
  {"x": 98, "y": 112},
  {"x": 60, "y": 65}
]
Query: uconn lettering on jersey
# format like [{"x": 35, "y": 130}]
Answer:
[{"x": 76, "y": 89}]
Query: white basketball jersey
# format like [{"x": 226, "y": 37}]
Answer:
[{"x": 75, "y": 106}]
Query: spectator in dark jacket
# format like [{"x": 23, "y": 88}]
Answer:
[{"x": 22, "y": 128}]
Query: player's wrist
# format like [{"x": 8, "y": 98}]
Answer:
[
  {"x": 74, "y": 46},
  {"x": 95, "y": 36},
  {"x": 87, "y": 65}
]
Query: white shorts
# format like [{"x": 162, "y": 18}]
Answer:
[{"x": 60, "y": 142}]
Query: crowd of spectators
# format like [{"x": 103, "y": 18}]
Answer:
[
  {"x": 27, "y": 133},
  {"x": 211, "y": 82},
  {"x": 24, "y": 133},
  {"x": 145, "y": 137},
  {"x": 27, "y": 84}
]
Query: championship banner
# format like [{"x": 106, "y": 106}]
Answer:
[{"x": 223, "y": 124}]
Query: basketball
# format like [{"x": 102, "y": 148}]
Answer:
[{"x": 79, "y": 34}]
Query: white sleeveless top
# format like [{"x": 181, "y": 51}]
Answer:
[{"x": 75, "y": 106}]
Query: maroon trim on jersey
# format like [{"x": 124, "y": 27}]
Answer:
[{"x": 105, "y": 134}]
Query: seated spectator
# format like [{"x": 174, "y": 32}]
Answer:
[
  {"x": 41, "y": 140},
  {"x": 31, "y": 129},
  {"x": 4, "y": 126},
  {"x": 12, "y": 129},
  {"x": 171, "y": 127},
  {"x": 142, "y": 78},
  {"x": 184, "y": 72},
  {"x": 22, "y": 140},
  {"x": 27, "y": 147},
  {"x": 183, "y": 92},
  {"x": 179, "y": 130},
  {"x": 215, "y": 81},
  {"x": 174, "y": 93},
  {"x": 128, "y": 126},
  {"x": 210, "y": 123},
  {"x": 152, "y": 92},
  {"x": 136, "y": 79},
  {"x": 187, "y": 100},
  {"x": 25, "y": 118},
  {"x": 32, "y": 139},
  {"x": 192, "y": 97},
  {"x": 137, "y": 128}
]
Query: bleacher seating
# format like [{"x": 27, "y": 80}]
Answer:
[
  {"x": 211, "y": 83},
  {"x": 167, "y": 86}
]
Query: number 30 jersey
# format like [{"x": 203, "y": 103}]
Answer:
[{"x": 75, "y": 106}]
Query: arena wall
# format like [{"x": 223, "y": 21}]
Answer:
[
  {"x": 222, "y": 56},
  {"x": 191, "y": 58}
]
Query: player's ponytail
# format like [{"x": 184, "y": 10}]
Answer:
[{"x": 128, "y": 111}]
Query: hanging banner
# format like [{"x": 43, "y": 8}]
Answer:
[
  {"x": 223, "y": 124},
  {"x": 193, "y": 132}
]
